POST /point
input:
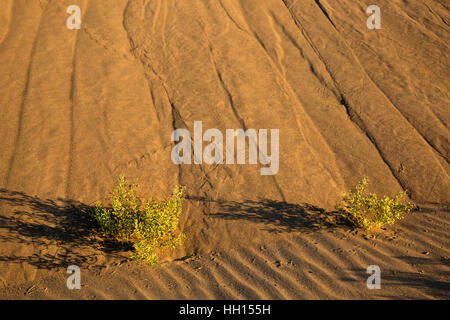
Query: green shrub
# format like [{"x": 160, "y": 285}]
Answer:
[
  {"x": 149, "y": 225},
  {"x": 371, "y": 211}
]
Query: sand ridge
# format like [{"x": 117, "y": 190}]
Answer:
[{"x": 80, "y": 107}]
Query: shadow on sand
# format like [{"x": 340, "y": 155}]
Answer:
[
  {"x": 65, "y": 225},
  {"x": 277, "y": 216},
  {"x": 427, "y": 284}
]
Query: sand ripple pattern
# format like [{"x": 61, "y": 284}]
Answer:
[{"x": 80, "y": 107}]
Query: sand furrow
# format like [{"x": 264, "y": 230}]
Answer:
[
  {"x": 78, "y": 108},
  {"x": 22, "y": 103}
]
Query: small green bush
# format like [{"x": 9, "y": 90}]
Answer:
[
  {"x": 149, "y": 225},
  {"x": 371, "y": 211}
]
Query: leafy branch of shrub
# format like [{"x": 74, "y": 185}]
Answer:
[
  {"x": 371, "y": 211},
  {"x": 148, "y": 224}
]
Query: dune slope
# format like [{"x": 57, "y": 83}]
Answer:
[{"x": 80, "y": 107}]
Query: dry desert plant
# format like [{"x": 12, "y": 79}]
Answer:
[
  {"x": 371, "y": 211},
  {"x": 148, "y": 224}
]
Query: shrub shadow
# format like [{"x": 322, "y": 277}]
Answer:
[
  {"x": 39, "y": 223},
  {"x": 277, "y": 216}
]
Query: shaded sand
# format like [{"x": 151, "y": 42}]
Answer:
[
  {"x": 79, "y": 108},
  {"x": 329, "y": 263}
]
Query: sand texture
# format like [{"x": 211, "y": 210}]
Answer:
[{"x": 78, "y": 108}]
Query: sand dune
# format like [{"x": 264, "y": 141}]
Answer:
[
  {"x": 80, "y": 107},
  {"x": 323, "y": 264}
]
